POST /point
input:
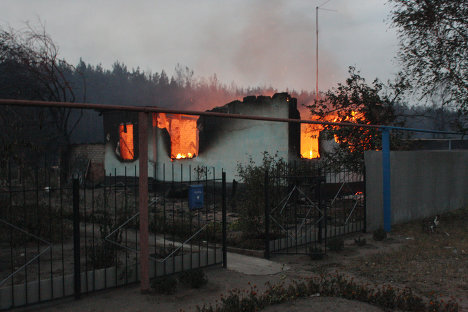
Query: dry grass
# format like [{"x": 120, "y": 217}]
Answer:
[{"x": 427, "y": 262}]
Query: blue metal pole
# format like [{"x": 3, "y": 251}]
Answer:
[{"x": 387, "y": 208}]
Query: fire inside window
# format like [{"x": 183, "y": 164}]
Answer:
[
  {"x": 310, "y": 141},
  {"x": 183, "y": 132},
  {"x": 310, "y": 132},
  {"x": 127, "y": 151}
]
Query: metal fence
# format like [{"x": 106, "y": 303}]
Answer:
[
  {"x": 308, "y": 203},
  {"x": 52, "y": 232}
]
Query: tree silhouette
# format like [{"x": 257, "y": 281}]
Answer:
[{"x": 434, "y": 48}]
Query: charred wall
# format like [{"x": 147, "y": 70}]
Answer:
[{"x": 294, "y": 130}]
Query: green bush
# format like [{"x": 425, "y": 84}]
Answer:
[
  {"x": 102, "y": 255},
  {"x": 336, "y": 244},
  {"x": 251, "y": 201},
  {"x": 379, "y": 235},
  {"x": 38, "y": 219},
  {"x": 165, "y": 285},
  {"x": 316, "y": 253},
  {"x": 386, "y": 296},
  {"x": 194, "y": 278},
  {"x": 105, "y": 254},
  {"x": 360, "y": 241}
]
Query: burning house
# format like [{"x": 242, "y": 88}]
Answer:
[{"x": 204, "y": 141}]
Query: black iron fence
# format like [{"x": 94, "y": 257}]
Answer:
[{"x": 53, "y": 232}]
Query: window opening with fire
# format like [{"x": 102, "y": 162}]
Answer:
[
  {"x": 183, "y": 132},
  {"x": 127, "y": 151},
  {"x": 310, "y": 141}
]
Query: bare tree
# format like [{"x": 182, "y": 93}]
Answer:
[{"x": 31, "y": 53}]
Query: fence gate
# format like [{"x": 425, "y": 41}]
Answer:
[
  {"x": 307, "y": 205},
  {"x": 294, "y": 212}
]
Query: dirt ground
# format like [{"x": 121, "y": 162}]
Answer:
[{"x": 425, "y": 261}]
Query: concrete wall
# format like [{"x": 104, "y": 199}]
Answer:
[{"x": 423, "y": 183}]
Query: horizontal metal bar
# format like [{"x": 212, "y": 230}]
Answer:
[
  {"x": 148, "y": 109},
  {"x": 420, "y": 130}
]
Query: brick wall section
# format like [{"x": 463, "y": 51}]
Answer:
[
  {"x": 93, "y": 152},
  {"x": 82, "y": 153}
]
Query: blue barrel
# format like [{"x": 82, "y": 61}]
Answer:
[{"x": 195, "y": 197}]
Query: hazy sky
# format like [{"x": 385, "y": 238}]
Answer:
[{"x": 250, "y": 42}]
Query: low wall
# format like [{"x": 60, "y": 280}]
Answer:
[{"x": 423, "y": 184}]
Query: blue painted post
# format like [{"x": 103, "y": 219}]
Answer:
[{"x": 387, "y": 208}]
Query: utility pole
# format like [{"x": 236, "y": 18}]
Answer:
[
  {"x": 317, "y": 47},
  {"x": 316, "y": 54}
]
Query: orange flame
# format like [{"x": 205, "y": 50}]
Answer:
[
  {"x": 310, "y": 132},
  {"x": 309, "y": 140},
  {"x": 183, "y": 132}
]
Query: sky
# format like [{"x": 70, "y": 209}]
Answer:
[{"x": 248, "y": 42}]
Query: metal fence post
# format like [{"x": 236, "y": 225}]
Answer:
[
  {"x": 321, "y": 214},
  {"x": 143, "y": 199},
  {"x": 224, "y": 220},
  {"x": 364, "y": 228},
  {"x": 325, "y": 216},
  {"x": 267, "y": 217},
  {"x": 76, "y": 238},
  {"x": 387, "y": 208}
]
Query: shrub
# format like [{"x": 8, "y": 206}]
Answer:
[
  {"x": 194, "y": 278},
  {"x": 102, "y": 255},
  {"x": 38, "y": 219},
  {"x": 360, "y": 241},
  {"x": 165, "y": 285},
  {"x": 105, "y": 254},
  {"x": 379, "y": 235},
  {"x": 316, "y": 253},
  {"x": 251, "y": 199},
  {"x": 336, "y": 285},
  {"x": 336, "y": 244}
]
